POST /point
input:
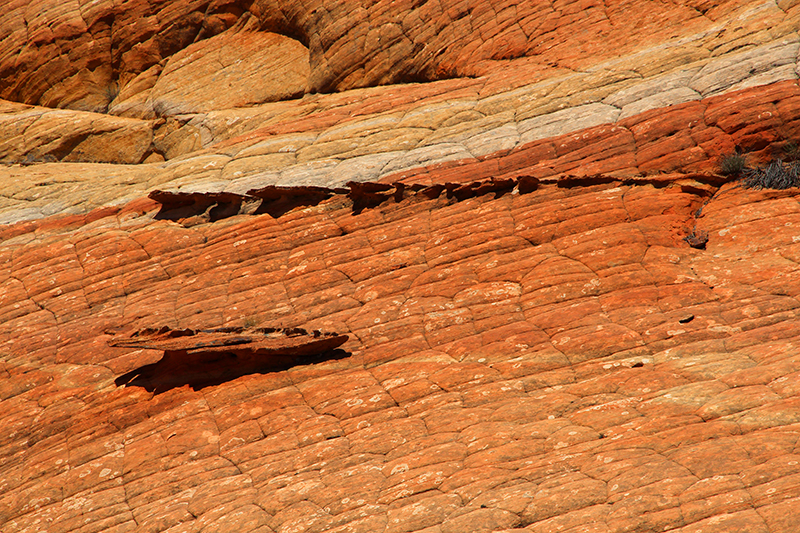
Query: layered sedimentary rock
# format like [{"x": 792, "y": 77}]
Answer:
[
  {"x": 339, "y": 146},
  {"x": 556, "y": 358},
  {"x": 77, "y": 54},
  {"x": 715, "y": 102},
  {"x": 552, "y": 313}
]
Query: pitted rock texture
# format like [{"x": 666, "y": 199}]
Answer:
[
  {"x": 558, "y": 317},
  {"x": 556, "y": 360},
  {"x": 79, "y": 54}
]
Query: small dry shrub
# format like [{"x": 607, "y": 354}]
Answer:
[
  {"x": 776, "y": 175},
  {"x": 732, "y": 164}
]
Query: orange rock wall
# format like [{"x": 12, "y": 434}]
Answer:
[
  {"x": 77, "y": 54},
  {"x": 559, "y": 318},
  {"x": 505, "y": 349}
]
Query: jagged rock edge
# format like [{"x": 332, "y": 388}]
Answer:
[{"x": 277, "y": 200}]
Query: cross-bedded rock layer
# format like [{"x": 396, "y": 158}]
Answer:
[
  {"x": 199, "y": 99},
  {"x": 559, "y": 359},
  {"x": 690, "y": 136},
  {"x": 558, "y": 318},
  {"x": 86, "y": 55}
]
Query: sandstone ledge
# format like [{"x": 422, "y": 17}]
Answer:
[{"x": 686, "y": 137}]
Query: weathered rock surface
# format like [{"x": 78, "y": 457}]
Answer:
[
  {"x": 688, "y": 137},
  {"x": 262, "y": 341},
  {"x": 92, "y": 56},
  {"x": 34, "y": 135},
  {"x": 210, "y": 357},
  {"x": 367, "y": 135},
  {"x": 77, "y": 54},
  {"x": 555, "y": 315},
  {"x": 208, "y": 75},
  {"x": 540, "y": 360}
]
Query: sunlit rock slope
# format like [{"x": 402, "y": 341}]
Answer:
[{"x": 559, "y": 316}]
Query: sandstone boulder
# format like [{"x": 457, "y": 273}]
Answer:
[
  {"x": 229, "y": 70},
  {"x": 35, "y": 134}
]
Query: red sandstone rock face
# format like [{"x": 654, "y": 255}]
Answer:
[
  {"x": 366, "y": 135},
  {"x": 552, "y": 360},
  {"x": 558, "y": 318},
  {"x": 77, "y": 54}
]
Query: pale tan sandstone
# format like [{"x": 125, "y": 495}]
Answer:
[{"x": 221, "y": 73}]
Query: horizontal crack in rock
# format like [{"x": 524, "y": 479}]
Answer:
[
  {"x": 200, "y": 358},
  {"x": 197, "y": 207}
]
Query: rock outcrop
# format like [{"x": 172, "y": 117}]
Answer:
[
  {"x": 738, "y": 97},
  {"x": 508, "y": 350},
  {"x": 552, "y": 313},
  {"x": 100, "y": 55},
  {"x": 211, "y": 357},
  {"x": 79, "y": 54}
]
